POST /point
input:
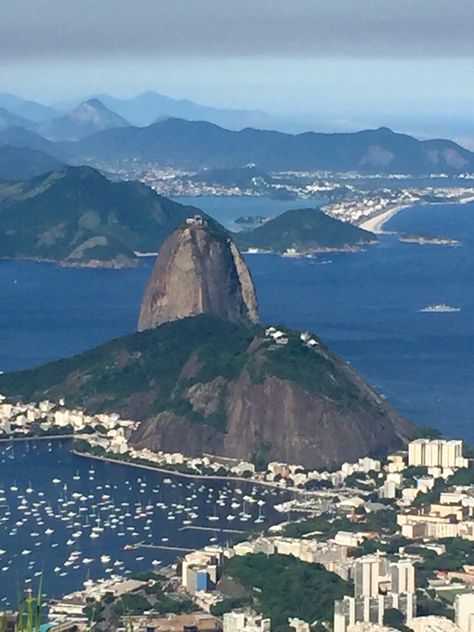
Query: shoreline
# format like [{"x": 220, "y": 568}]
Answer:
[
  {"x": 313, "y": 254},
  {"x": 375, "y": 224},
  {"x": 38, "y": 438},
  {"x": 90, "y": 265},
  {"x": 162, "y": 470}
]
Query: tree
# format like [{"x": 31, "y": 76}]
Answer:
[{"x": 393, "y": 618}]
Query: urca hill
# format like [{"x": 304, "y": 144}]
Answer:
[{"x": 216, "y": 381}]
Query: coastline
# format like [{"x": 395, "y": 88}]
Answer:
[
  {"x": 95, "y": 264},
  {"x": 313, "y": 253},
  {"x": 37, "y": 438},
  {"x": 162, "y": 470},
  {"x": 375, "y": 223}
]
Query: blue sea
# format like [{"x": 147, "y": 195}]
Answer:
[
  {"x": 364, "y": 305},
  {"x": 229, "y": 208},
  {"x": 67, "y": 518}
]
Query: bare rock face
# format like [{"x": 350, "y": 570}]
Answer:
[
  {"x": 198, "y": 270},
  {"x": 289, "y": 423}
]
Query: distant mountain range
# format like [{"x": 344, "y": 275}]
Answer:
[
  {"x": 21, "y": 137},
  {"x": 198, "y": 145},
  {"x": 148, "y": 107},
  {"x": 85, "y": 119},
  {"x": 24, "y": 108},
  {"x": 7, "y": 120},
  {"x": 97, "y": 131}
]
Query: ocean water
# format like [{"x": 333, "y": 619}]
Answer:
[
  {"x": 228, "y": 208},
  {"x": 364, "y": 305},
  {"x": 51, "y": 501}
]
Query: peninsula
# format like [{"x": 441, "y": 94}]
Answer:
[{"x": 216, "y": 381}]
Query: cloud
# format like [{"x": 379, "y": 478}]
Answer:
[{"x": 52, "y": 29}]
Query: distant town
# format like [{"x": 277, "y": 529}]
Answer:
[{"x": 349, "y": 197}]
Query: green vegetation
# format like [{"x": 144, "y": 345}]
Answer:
[
  {"x": 228, "y": 604},
  {"x": 427, "y": 432},
  {"x": 131, "y": 603},
  {"x": 29, "y": 612},
  {"x": 76, "y": 215},
  {"x": 393, "y": 618},
  {"x": 317, "y": 372},
  {"x": 149, "y": 363},
  {"x": 459, "y": 553},
  {"x": 260, "y": 458},
  {"x": 282, "y": 586},
  {"x": 431, "y": 496},
  {"x": 163, "y": 603},
  {"x": 427, "y": 604},
  {"x": 305, "y": 230},
  {"x": 383, "y": 521},
  {"x": 146, "y": 373},
  {"x": 463, "y": 476}
]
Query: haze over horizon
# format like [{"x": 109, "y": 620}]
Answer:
[{"x": 312, "y": 65}]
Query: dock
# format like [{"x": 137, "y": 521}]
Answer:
[
  {"x": 197, "y": 528},
  {"x": 162, "y": 547}
]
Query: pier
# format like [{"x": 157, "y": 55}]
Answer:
[
  {"x": 162, "y": 547},
  {"x": 197, "y": 528}
]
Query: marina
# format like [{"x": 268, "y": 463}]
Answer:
[{"x": 68, "y": 520}]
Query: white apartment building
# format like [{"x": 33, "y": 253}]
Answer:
[
  {"x": 241, "y": 621},
  {"x": 402, "y": 575},
  {"x": 366, "y": 576},
  {"x": 436, "y": 453},
  {"x": 464, "y": 609}
]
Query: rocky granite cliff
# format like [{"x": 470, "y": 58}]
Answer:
[{"x": 198, "y": 270}]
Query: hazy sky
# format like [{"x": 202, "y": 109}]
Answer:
[{"x": 349, "y": 61}]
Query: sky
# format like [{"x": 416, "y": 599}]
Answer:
[{"x": 334, "y": 63}]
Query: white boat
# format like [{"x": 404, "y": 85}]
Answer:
[{"x": 441, "y": 308}]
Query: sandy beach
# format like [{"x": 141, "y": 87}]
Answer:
[{"x": 375, "y": 223}]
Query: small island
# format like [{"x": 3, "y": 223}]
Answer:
[{"x": 302, "y": 233}]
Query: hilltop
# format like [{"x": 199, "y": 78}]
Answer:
[
  {"x": 305, "y": 231},
  {"x": 203, "y": 384},
  {"x": 86, "y": 118},
  {"x": 199, "y": 270},
  {"x": 76, "y": 216}
]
